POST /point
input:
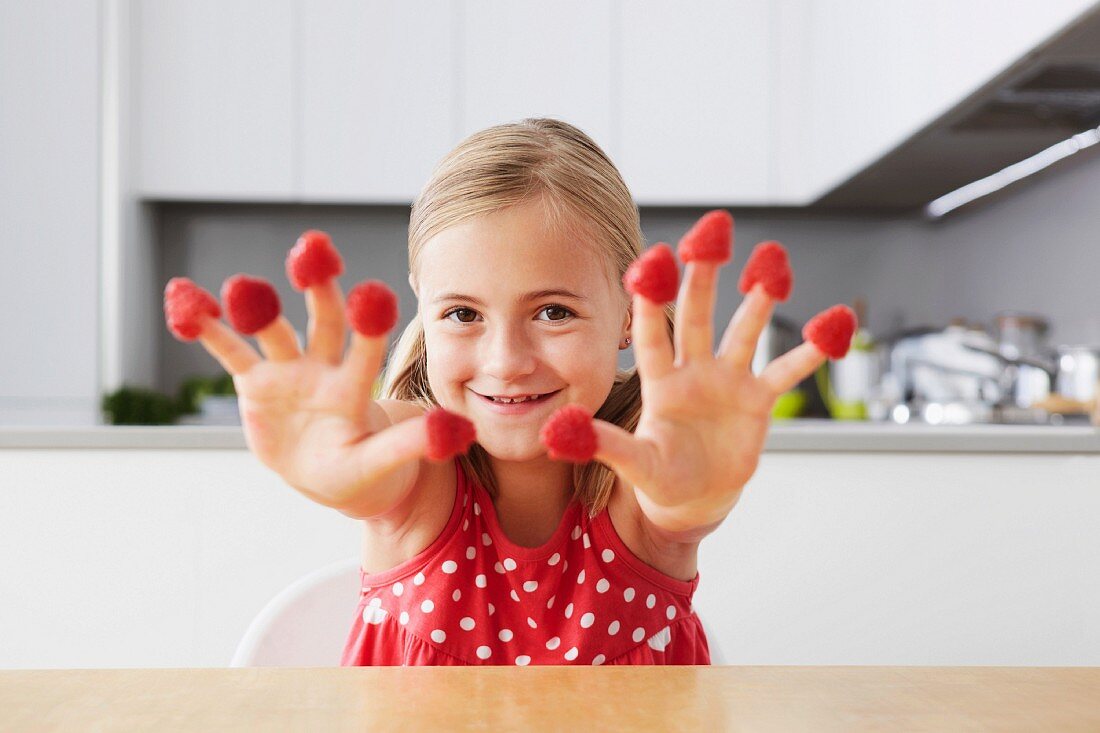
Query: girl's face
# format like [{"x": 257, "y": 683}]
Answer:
[{"x": 512, "y": 308}]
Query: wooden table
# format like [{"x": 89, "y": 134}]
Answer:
[{"x": 555, "y": 698}]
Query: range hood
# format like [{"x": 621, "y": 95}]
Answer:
[{"x": 1044, "y": 99}]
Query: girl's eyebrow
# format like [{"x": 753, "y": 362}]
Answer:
[{"x": 535, "y": 295}]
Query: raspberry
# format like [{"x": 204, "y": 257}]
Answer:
[
  {"x": 449, "y": 434},
  {"x": 709, "y": 240},
  {"x": 831, "y": 330},
  {"x": 313, "y": 260},
  {"x": 185, "y": 306},
  {"x": 371, "y": 308},
  {"x": 769, "y": 265},
  {"x": 569, "y": 435},
  {"x": 654, "y": 274},
  {"x": 251, "y": 303}
]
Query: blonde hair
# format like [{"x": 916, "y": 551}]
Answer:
[{"x": 542, "y": 160}]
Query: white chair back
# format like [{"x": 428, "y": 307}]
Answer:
[{"x": 307, "y": 623}]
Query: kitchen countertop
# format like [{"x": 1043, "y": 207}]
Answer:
[
  {"x": 554, "y": 698},
  {"x": 787, "y": 435}
]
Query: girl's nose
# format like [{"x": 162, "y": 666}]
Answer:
[{"x": 508, "y": 354}]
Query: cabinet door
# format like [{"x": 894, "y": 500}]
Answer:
[
  {"x": 694, "y": 101},
  {"x": 525, "y": 59},
  {"x": 378, "y": 97},
  {"x": 215, "y": 105},
  {"x": 859, "y": 78}
]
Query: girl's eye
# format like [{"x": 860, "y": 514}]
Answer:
[
  {"x": 467, "y": 315},
  {"x": 556, "y": 312}
]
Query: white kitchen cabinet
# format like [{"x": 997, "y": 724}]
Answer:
[
  {"x": 693, "y": 99},
  {"x": 698, "y": 104},
  {"x": 379, "y": 105},
  {"x": 859, "y": 78},
  {"x": 216, "y": 113},
  {"x": 525, "y": 59},
  {"x": 49, "y": 207}
]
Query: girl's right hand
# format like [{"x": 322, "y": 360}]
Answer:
[{"x": 310, "y": 416}]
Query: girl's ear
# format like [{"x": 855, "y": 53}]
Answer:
[{"x": 412, "y": 284}]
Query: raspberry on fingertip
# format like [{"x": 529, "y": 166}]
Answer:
[
  {"x": 313, "y": 260},
  {"x": 569, "y": 436},
  {"x": 831, "y": 330},
  {"x": 185, "y": 307},
  {"x": 709, "y": 240},
  {"x": 251, "y": 303},
  {"x": 768, "y": 264},
  {"x": 371, "y": 308},
  {"x": 449, "y": 434},
  {"x": 654, "y": 275}
]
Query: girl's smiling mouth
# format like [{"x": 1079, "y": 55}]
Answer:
[{"x": 515, "y": 404}]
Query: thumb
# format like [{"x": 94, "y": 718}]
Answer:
[{"x": 632, "y": 458}]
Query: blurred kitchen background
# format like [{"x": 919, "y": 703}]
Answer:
[
  {"x": 146, "y": 140},
  {"x": 930, "y": 162}
]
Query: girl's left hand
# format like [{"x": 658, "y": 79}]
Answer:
[{"x": 704, "y": 415}]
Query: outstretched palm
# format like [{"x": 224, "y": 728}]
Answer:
[{"x": 704, "y": 414}]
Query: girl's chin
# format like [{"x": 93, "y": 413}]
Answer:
[{"x": 527, "y": 448}]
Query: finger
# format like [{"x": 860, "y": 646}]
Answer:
[
  {"x": 652, "y": 343},
  {"x": 368, "y": 479},
  {"x": 743, "y": 332},
  {"x": 694, "y": 327},
  {"x": 278, "y": 341},
  {"x": 386, "y": 450},
  {"x": 364, "y": 360},
  {"x": 785, "y": 372},
  {"x": 234, "y": 353},
  {"x": 327, "y": 329},
  {"x": 632, "y": 458}
]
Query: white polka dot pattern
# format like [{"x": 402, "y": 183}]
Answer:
[{"x": 551, "y": 617}]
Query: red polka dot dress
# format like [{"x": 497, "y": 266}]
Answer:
[{"x": 474, "y": 597}]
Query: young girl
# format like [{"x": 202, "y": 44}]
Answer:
[{"x": 518, "y": 246}]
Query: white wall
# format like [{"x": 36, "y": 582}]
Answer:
[
  {"x": 160, "y": 558},
  {"x": 49, "y": 199}
]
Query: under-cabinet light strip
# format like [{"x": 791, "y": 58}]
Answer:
[{"x": 1011, "y": 174}]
